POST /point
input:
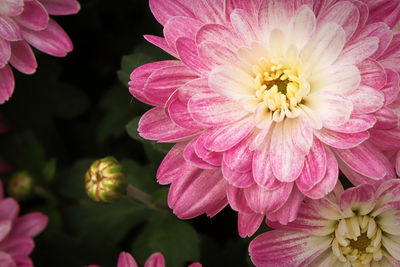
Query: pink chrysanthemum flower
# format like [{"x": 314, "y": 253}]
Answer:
[
  {"x": 264, "y": 98},
  {"x": 357, "y": 227},
  {"x": 16, "y": 233},
  {"x": 24, "y": 23},
  {"x": 155, "y": 260}
]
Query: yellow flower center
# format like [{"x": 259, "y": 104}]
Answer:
[
  {"x": 358, "y": 240},
  {"x": 280, "y": 87}
]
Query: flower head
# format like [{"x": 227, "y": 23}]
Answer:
[
  {"x": 356, "y": 227},
  {"x": 16, "y": 233},
  {"x": 263, "y": 100},
  {"x": 24, "y": 23},
  {"x": 105, "y": 180},
  {"x": 155, "y": 260}
]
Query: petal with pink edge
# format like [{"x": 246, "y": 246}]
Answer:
[
  {"x": 9, "y": 209},
  {"x": 189, "y": 55},
  {"x": 161, "y": 43},
  {"x": 226, "y": 137},
  {"x": 163, "y": 10},
  {"x": 303, "y": 26},
  {"x": 19, "y": 245},
  {"x": 22, "y": 57},
  {"x": 244, "y": 25},
  {"x": 34, "y": 17},
  {"x": 53, "y": 40},
  {"x": 5, "y": 227},
  {"x": 6, "y": 83},
  {"x": 156, "y": 125},
  {"x": 283, "y": 248},
  {"x": 391, "y": 88},
  {"x": 236, "y": 178},
  {"x": 360, "y": 199},
  {"x": 357, "y": 123},
  {"x": 140, "y": 75},
  {"x": 286, "y": 161},
  {"x": 314, "y": 169},
  {"x": 6, "y": 260},
  {"x": 214, "y": 110},
  {"x": 179, "y": 113},
  {"x": 202, "y": 191},
  {"x": 388, "y": 191},
  {"x": 386, "y": 11},
  {"x": 155, "y": 260},
  {"x": 248, "y": 223},
  {"x": 61, "y": 7},
  {"x": 167, "y": 171},
  {"x": 126, "y": 260},
  {"x": 178, "y": 27},
  {"x": 357, "y": 52},
  {"x": 240, "y": 157},
  {"x": 372, "y": 73},
  {"x": 9, "y": 29},
  {"x": 364, "y": 160},
  {"x": 386, "y": 140},
  {"x": 11, "y": 8},
  {"x": 214, "y": 158},
  {"x": 386, "y": 119},
  {"x": 209, "y": 11},
  {"x": 5, "y": 52},
  {"x": 261, "y": 200},
  {"x": 288, "y": 212},
  {"x": 190, "y": 156},
  {"x": 237, "y": 199},
  {"x": 30, "y": 224},
  {"x": 341, "y": 140}
]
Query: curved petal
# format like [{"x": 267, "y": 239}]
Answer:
[
  {"x": 341, "y": 140},
  {"x": 357, "y": 123},
  {"x": 237, "y": 199},
  {"x": 190, "y": 155},
  {"x": 30, "y": 224},
  {"x": 163, "y": 10},
  {"x": 34, "y": 17},
  {"x": 167, "y": 171},
  {"x": 61, "y": 7},
  {"x": 372, "y": 73},
  {"x": 238, "y": 179},
  {"x": 240, "y": 157},
  {"x": 9, "y": 209},
  {"x": 126, "y": 260},
  {"x": 9, "y": 29},
  {"x": 361, "y": 199},
  {"x": 248, "y": 223},
  {"x": 155, "y": 260},
  {"x": 22, "y": 57}
]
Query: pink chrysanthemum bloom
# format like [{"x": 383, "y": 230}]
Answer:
[
  {"x": 24, "y": 23},
  {"x": 16, "y": 233},
  {"x": 263, "y": 98},
  {"x": 357, "y": 227},
  {"x": 155, "y": 260}
]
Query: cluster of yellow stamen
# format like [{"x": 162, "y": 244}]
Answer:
[
  {"x": 358, "y": 241},
  {"x": 279, "y": 87}
]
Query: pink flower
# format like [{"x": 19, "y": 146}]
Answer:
[
  {"x": 357, "y": 227},
  {"x": 24, "y": 22},
  {"x": 263, "y": 98},
  {"x": 16, "y": 233},
  {"x": 155, "y": 260}
]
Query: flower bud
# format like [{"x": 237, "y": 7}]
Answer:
[
  {"x": 105, "y": 180},
  {"x": 20, "y": 185}
]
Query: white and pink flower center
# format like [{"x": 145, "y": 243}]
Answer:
[{"x": 358, "y": 240}]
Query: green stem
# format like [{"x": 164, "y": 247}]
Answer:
[{"x": 140, "y": 196}]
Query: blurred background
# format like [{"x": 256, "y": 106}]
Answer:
[{"x": 78, "y": 109}]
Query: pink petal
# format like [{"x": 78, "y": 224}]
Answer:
[
  {"x": 61, "y": 7},
  {"x": 357, "y": 123},
  {"x": 140, "y": 75},
  {"x": 17, "y": 246},
  {"x": 179, "y": 113},
  {"x": 328, "y": 182},
  {"x": 209, "y": 11},
  {"x": 387, "y": 192},
  {"x": 363, "y": 160},
  {"x": 272, "y": 12},
  {"x": 314, "y": 169},
  {"x": 167, "y": 171},
  {"x": 195, "y": 264},
  {"x": 5, "y": 52},
  {"x": 372, "y": 73},
  {"x": 215, "y": 54},
  {"x": 53, "y": 40},
  {"x": 34, "y": 17},
  {"x": 9, "y": 209},
  {"x": 361, "y": 199},
  {"x": 366, "y": 100},
  {"x": 202, "y": 191},
  {"x": 178, "y": 27},
  {"x": 163, "y": 10},
  {"x": 213, "y": 158},
  {"x": 6, "y": 260},
  {"x": 155, "y": 260},
  {"x": 6, "y": 83},
  {"x": 11, "y": 8},
  {"x": 386, "y": 11},
  {"x": 249, "y": 6},
  {"x": 288, "y": 212},
  {"x": 282, "y": 248},
  {"x": 285, "y": 161},
  {"x": 9, "y": 29},
  {"x": 393, "y": 49},
  {"x": 302, "y": 134},
  {"x": 386, "y": 139},
  {"x": 244, "y": 25},
  {"x": 344, "y": 14},
  {"x": 216, "y": 33},
  {"x": 261, "y": 200},
  {"x": 240, "y": 157},
  {"x": 214, "y": 110},
  {"x": 237, "y": 199},
  {"x": 161, "y": 43},
  {"x": 391, "y": 88},
  {"x": 190, "y": 155},
  {"x": 189, "y": 55},
  {"x": 30, "y": 224},
  {"x": 126, "y": 260},
  {"x": 382, "y": 32},
  {"x": 236, "y": 178},
  {"x": 5, "y": 227},
  {"x": 248, "y": 223},
  {"x": 358, "y": 51},
  {"x": 225, "y": 137},
  {"x": 341, "y": 140},
  {"x": 386, "y": 119},
  {"x": 22, "y": 57},
  {"x": 23, "y": 261},
  {"x": 303, "y": 26},
  {"x": 164, "y": 81},
  {"x": 156, "y": 125}
]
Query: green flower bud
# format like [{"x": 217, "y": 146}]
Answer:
[
  {"x": 20, "y": 185},
  {"x": 105, "y": 180}
]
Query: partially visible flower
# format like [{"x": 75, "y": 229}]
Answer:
[
  {"x": 264, "y": 99},
  {"x": 20, "y": 185},
  {"x": 357, "y": 227},
  {"x": 16, "y": 233},
  {"x": 24, "y": 23},
  {"x": 155, "y": 260},
  {"x": 105, "y": 180}
]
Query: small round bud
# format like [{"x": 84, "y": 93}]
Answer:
[
  {"x": 20, "y": 185},
  {"x": 105, "y": 180}
]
